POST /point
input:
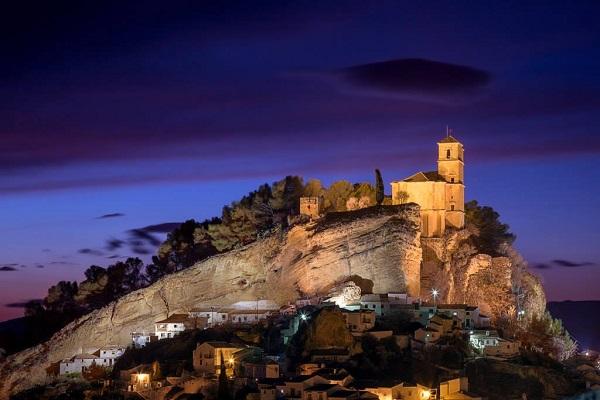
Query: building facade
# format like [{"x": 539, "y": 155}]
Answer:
[
  {"x": 207, "y": 357},
  {"x": 311, "y": 206},
  {"x": 171, "y": 326},
  {"x": 440, "y": 194},
  {"x": 104, "y": 357}
]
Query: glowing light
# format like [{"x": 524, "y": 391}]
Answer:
[
  {"x": 434, "y": 294},
  {"x": 303, "y": 317},
  {"x": 425, "y": 394},
  {"x": 231, "y": 360}
]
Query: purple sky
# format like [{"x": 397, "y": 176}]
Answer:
[{"x": 159, "y": 112}]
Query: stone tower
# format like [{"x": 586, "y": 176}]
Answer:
[
  {"x": 311, "y": 206},
  {"x": 451, "y": 167},
  {"x": 440, "y": 194}
]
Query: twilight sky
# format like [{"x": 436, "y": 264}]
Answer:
[{"x": 119, "y": 117}]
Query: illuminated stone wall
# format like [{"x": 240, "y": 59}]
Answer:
[{"x": 310, "y": 206}]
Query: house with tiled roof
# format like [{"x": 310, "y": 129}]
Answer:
[
  {"x": 104, "y": 357},
  {"x": 171, "y": 326}
]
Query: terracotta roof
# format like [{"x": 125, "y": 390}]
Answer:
[
  {"x": 428, "y": 176},
  {"x": 174, "y": 318},
  {"x": 449, "y": 139}
]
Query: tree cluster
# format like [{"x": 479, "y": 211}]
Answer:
[
  {"x": 67, "y": 301},
  {"x": 547, "y": 335},
  {"x": 241, "y": 223},
  {"x": 492, "y": 235}
]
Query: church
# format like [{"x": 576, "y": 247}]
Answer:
[{"x": 441, "y": 193}]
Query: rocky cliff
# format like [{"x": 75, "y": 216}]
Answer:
[
  {"x": 381, "y": 245},
  {"x": 378, "y": 249},
  {"x": 454, "y": 267}
]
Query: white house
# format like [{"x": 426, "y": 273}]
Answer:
[
  {"x": 360, "y": 320},
  {"x": 248, "y": 316},
  {"x": 469, "y": 315},
  {"x": 171, "y": 326},
  {"x": 215, "y": 315},
  {"x": 503, "y": 349},
  {"x": 111, "y": 353},
  {"x": 141, "y": 339},
  {"x": 378, "y": 303},
  {"x": 104, "y": 357}
]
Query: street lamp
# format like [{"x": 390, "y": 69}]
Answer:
[{"x": 435, "y": 293}]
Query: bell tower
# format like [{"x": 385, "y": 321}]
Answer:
[
  {"x": 450, "y": 163},
  {"x": 451, "y": 167}
]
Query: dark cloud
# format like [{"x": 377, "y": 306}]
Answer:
[
  {"x": 39, "y": 266},
  {"x": 144, "y": 236},
  {"x": 541, "y": 266},
  {"x": 23, "y": 304},
  {"x": 113, "y": 244},
  {"x": 62, "y": 263},
  {"x": 562, "y": 263},
  {"x": 111, "y": 215},
  {"x": 141, "y": 241},
  {"x": 572, "y": 264},
  {"x": 165, "y": 227},
  {"x": 90, "y": 252},
  {"x": 7, "y": 268},
  {"x": 415, "y": 75}
]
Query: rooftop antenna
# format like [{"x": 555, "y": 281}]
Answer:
[{"x": 447, "y": 131}]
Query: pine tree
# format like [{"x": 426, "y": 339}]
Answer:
[
  {"x": 223, "y": 391},
  {"x": 379, "y": 189}
]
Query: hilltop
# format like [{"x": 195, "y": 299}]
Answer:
[{"x": 379, "y": 245}]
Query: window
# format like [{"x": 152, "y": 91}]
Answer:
[
  {"x": 452, "y": 207},
  {"x": 448, "y": 153},
  {"x": 452, "y": 180}
]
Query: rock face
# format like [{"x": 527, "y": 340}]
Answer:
[
  {"x": 380, "y": 245},
  {"x": 452, "y": 265}
]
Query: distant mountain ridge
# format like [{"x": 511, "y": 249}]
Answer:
[{"x": 581, "y": 319}]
